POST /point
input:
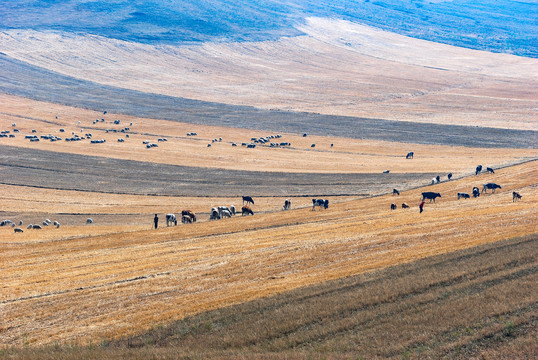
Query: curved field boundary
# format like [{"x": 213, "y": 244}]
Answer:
[
  {"x": 47, "y": 169},
  {"x": 53, "y": 87}
]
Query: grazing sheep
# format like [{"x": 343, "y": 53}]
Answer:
[
  {"x": 30, "y": 226},
  {"x": 225, "y": 213},
  {"x": 515, "y": 196},
  {"x": 89, "y": 221},
  {"x": 18, "y": 230}
]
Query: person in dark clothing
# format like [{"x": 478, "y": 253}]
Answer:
[
  {"x": 156, "y": 221},
  {"x": 421, "y": 206}
]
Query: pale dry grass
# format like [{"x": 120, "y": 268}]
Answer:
[
  {"x": 346, "y": 156},
  {"x": 119, "y": 281},
  {"x": 337, "y": 68}
]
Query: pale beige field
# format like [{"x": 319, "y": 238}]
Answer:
[
  {"x": 337, "y": 67},
  {"x": 88, "y": 283},
  {"x": 346, "y": 156}
]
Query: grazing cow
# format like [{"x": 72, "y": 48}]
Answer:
[
  {"x": 189, "y": 214},
  {"x": 463, "y": 195},
  {"x": 186, "y": 220},
  {"x": 433, "y": 181},
  {"x": 248, "y": 200},
  {"x": 430, "y": 195},
  {"x": 37, "y": 227},
  {"x": 18, "y": 230},
  {"x": 405, "y": 206},
  {"x": 171, "y": 218},
  {"x": 438, "y": 179},
  {"x": 393, "y": 206},
  {"x": 449, "y": 176},
  {"x": 222, "y": 209},
  {"x": 30, "y": 226},
  {"x": 491, "y": 186},
  {"x": 395, "y": 192},
  {"x": 320, "y": 203},
  {"x": 214, "y": 214},
  {"x": 515, "y": 196},
  {"x": 246, "y": 210},
  {"x": 410, "y": 155},
  {"x": 386, "y": 171},
  {"x": 225, "y": 213},
  {"x": 490, "y": 170},
  {"x": 89, "y": 221},
  {"x": 45, "y": 223},
  {"x": 478, "y": 169},
  {"x": 476, "y": 192},
  {"x": 232, "y": 209},
  {"x": 287, "y": 204}
]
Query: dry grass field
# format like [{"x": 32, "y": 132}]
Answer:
[{"x": 86, "y": 284}]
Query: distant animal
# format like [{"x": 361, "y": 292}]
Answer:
[
  {"x": 430, "y": 195},
  {"x": 449, "y": 176},
  {"x": 221, "y": 209},
  {"x": 57, "y": 224},
  {"x": 287, "y": 204},
  {"x": 476, "y": 192},
  {"x": 393, "y": 206},
  {"x": 186, "y": 220},
  {"x": 18, "y": 230},
  {"x": 246, "y": 210},
  {"x": 490, "y": 170},
  {"x": 171, "y": 218},
  {"x": 395, "y": 192},
  {"x": 313, "y": 145},
  {"x": 491, "y": 186},
  {"x": 232, "y": 209},
  {"x": 189, "y": 214},
  {"x": 30, "y": 226},
  {"x": 433, "y": 181},
  {"x": 248, "y": 200},
  {"x": 438, "y": 179},
  {"x": 478, "y": 169},
  {"x": 37, "y": 227},
  {"x": 214, "y": 215},
  {"x": 320, "y": 203},
  {"x": 516, "y": 196},
  {"x": 410, "y": 155},
  {"x": 463, "y": 195},
  {"x": 225, "y": 213},
  {"x": 386, "y": 171},
  {"x": 405, "y": 206},
  {"x": 89, "y": 221}
]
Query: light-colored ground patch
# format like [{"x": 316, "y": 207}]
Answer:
[{"x": 337, "y": 68}]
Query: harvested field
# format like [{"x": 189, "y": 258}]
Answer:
[{"x": 117, "y": 282}]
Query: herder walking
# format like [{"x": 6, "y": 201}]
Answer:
[{"x": 156, "y": 221}]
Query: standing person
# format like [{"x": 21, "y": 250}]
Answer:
[
  {"x": 156, "y": 221},
  {"x": 421, "y": 206}
]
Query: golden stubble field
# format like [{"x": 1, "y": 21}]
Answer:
[
  {"x": 85, "y": 284},
  {"x": 345, "y": 156}
]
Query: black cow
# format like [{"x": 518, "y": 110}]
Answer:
[
  {"x": 405, "y": 206},
  {"x": 476, "y": 192},
  {"x": 491, "y": 186},
  {"x": 393, "y": 206},
  {"x": 463, "y": 195},
  {"x": 490, "y": 170},
  {"x": 430, "y": 195},
  {"x": 248, "y": 200},
  {"x": 395, "y": 192},
  {"x": 449, "y": 176},
  {"x": 410, "y": 155},
  {"x": 478, "y": 169},
  {"x": 320, "y": 203},
  {"x": 515, "y": 196}
]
